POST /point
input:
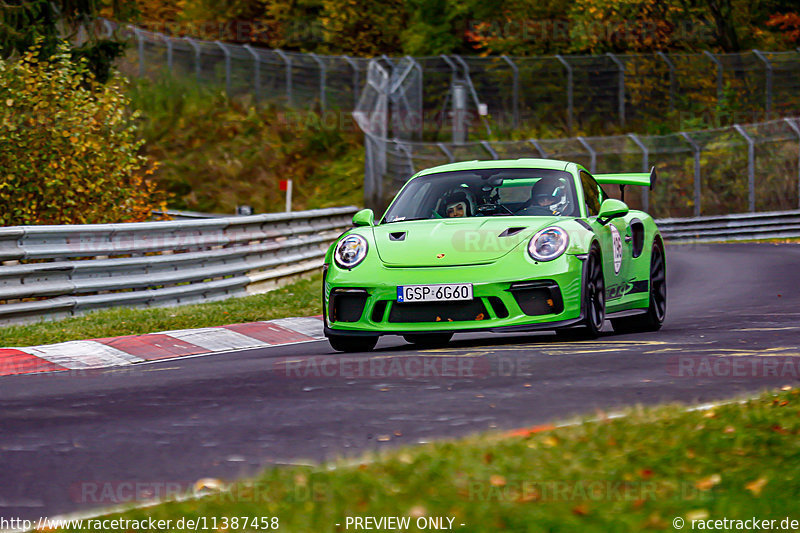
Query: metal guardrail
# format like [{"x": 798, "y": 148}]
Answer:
[
  {"x": 741, "y": 227},
  {"x": 51, "y": 272},
  {"x": 59, "y": 271}
]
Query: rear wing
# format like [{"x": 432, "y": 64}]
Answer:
[{"x": 642, "y": 179}]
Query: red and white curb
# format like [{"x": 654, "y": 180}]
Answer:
[{"x": 132, "y": 349}]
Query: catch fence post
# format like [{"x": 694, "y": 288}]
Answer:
[
  {"x": 751, "y": 169},
  {"x": 645, "y": 168},
  {"x": 696, "y": 151}
]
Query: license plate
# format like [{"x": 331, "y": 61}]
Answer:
[{"x": 434, "y": 293}]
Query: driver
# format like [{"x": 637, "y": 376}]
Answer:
[
  {"x": 457, "y": 210},
  {"x": 548, "y": 197},
  {"x": 458, "y": 204}
]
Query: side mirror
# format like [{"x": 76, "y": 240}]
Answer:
[
  {"x": 611, "y": 209},
  {"x": 365, "y": 217}
]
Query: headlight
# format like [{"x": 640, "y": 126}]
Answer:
[
  {"x": 350, "y": 251},
  {"x": 548, "y": 244}
]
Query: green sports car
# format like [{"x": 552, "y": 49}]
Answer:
[{"x": 499, "y": 246}]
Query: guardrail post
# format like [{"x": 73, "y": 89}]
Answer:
[
  {"x": 446, "y": 152},
  {"x": 288, "y": 61},
  {"x": 538, "y": 146},
  {"x": 796, "y": 129},
  {"x": 256, "y": 72},
  {"x": 768, "y": 79},
  {"x": 356, "y": 79},
  {"x": 514, "y": 91},
  {"x": 592, "y": 154},
  {"x": 751, "y": 169},
  {"x": 196, "y": 56},
  {"x": 696, "y": 150},
  {"x": 645, "y": 168},
  {"x": 718, "y": 63},
  {"x": 621, "y": 88},
  {"x": 672, "y": 84},
  {"x": 227, "y": 66},
  {"x": 322, "y": 80},
  {"x": 489, "y": 149},
  {"x": 570, "y": 108}
]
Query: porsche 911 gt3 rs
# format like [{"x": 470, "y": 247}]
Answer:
[{"x": 508, "y": 245}]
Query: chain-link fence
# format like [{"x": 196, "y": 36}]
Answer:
[
  {"x": 399, "y": 102},
  {"x": 571, "y": 90},
  {"x": 753, "y": 167}
]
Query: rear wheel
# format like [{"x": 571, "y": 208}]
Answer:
[
  {"x": 428, "y": 339},
  {"x": 594, "y": 301},
  {"x": 343, "y": 343},
  {"x": 657, "y": 310}
]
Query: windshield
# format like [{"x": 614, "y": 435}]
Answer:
[{"x": 485, "y": 193}]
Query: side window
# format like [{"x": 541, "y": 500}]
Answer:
[{"x": 592, "y": 194}]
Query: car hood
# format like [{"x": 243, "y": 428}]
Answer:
[{"x": 453, "y": 242}]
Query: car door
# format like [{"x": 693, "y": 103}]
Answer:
[{"x": 616, "y": 255}]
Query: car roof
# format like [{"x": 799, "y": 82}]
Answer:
[{"x": 551, "y": 164}]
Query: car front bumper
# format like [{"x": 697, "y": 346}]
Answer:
[{"x": 506, "y": 297}]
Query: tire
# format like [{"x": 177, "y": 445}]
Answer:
[
  {"x": 346, "y": 343},
  {"x": 593, "y": 293},
  {"x": 428, "y": 340},
  {"x": 657, "y": 309}
]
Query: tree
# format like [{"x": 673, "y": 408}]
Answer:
[
  {"x": 48, "y": 23},
  {"x": 68, "y": 145}
]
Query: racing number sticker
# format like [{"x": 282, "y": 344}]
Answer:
[{"x": 617, "y": 245}]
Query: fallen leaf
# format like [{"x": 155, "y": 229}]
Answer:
[
  {"x": 729, "y": 429},
  {"x": 551, "y": 441},
  {"x": 497, "y": 481},
  {"x": 417, "y": 511},
  {"x": 756, "y": 486},
  {"x": 384, "y": 438},
  {"x": 580, "y": 510},
  {"x": 697, "y": 514},
  {"x": 708, "y": 483}
]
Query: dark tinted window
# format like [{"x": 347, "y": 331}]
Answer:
[
  {"x": 486, "y": 192},
  {"x": 592, "y": 194}
]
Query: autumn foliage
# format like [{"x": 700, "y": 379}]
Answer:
[
  {"x": 68, "y": 146},
  {"x": 514, "y": 27}
]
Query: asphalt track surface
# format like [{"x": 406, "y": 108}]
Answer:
[{"x": 69, "y": 442}]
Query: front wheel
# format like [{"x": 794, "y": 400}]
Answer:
[
  {"x": 657, "y": 310},
  {"x": 594, "y": 301},
  {"x": 346, "y": 343}
]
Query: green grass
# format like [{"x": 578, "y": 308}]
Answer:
[
  {"x": 298, "y": 299},
  {"x": 623, "y": 474}
]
